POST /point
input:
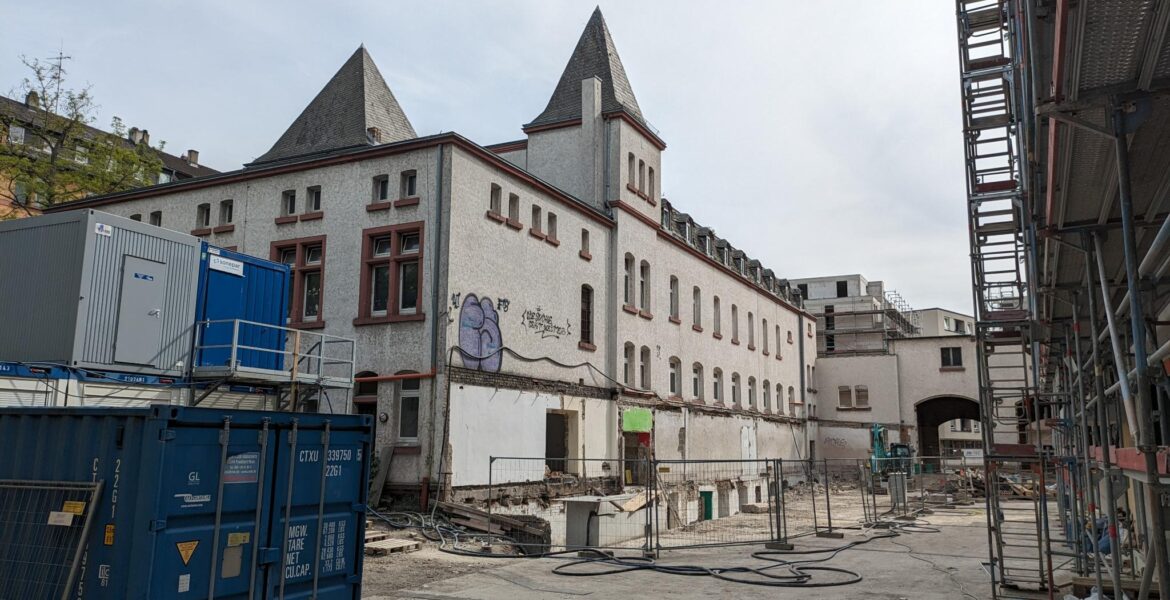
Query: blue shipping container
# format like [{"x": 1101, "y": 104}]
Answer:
[
  {"x": 257, "y": 504},
  {"x": 237, "y": 286}
]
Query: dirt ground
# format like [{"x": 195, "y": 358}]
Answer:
[{"x": 387, "y": 574}]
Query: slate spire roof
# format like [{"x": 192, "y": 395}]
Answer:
[
  {"x": 354, "y": 100},
  {"x": 594, "y": 56}
]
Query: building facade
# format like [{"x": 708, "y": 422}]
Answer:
[{"x": 523, "y": 299}]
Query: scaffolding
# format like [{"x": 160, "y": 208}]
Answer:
[
  {"x": 864, "y": 324},
  {"x": 1066, "y": 123}
]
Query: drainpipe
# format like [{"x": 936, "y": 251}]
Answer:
[
  {"x": 436, "y": 292},
  {"x": 1145, "y": 431},
  {"x": 611, "y": 310},
  {"x": 803, "y": 370}
]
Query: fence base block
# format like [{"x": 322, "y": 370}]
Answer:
[
  {"x": 649, "y": 553},
  {"x": 778, "y": 546},
  {"x": 830, "y": 534},
  {"x": 593, "y": 553}
]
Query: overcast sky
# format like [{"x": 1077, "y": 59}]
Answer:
[{"x": 822, "y": 138}]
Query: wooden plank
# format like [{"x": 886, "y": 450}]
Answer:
[
  {"x": 508, "y": 524},
  {"x": 382, "y": 547},
  {"x": 380, "y": 477}
]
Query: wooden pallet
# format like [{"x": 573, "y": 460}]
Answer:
[
  {"x": 374, "y": 536},
  {"x": 387, "y": 546}
]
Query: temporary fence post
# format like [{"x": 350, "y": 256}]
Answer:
[
  {"x": 828, "y": 533},
  {"x": 491, "y": 494},
  {"x": 653, "y": 542},
  {"x": 780, "y": 539}
]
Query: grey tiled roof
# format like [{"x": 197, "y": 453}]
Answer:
[
  {"x": 354, "y": 100},
  {"x": 594, "y": 56}
]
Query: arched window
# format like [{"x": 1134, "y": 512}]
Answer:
[
  {"x": 650, "y": 189},
  {"x": 697, "y": 382},
  {"x": 791, "y": 401},
  {"x": 628, "y": 365},
  {"x": 715, "y": 316},
  {"x": 675, "y": 376},
  {"x": 514, "y": 209},
  {"x": 641, "y": 175},
  {"x": 767, "y": 389},
  {"x": 752, "y": 393},
  {"x": 629, "y": 281},
  {"x": 674, "y": 297},
  {"x": 696, "y": 307},
  {"x": 645, "y": 366},
  {"x": 644, "y": 286},
  {"x": 586, "y": 315},
  {"x": 734, "y": 324},
  {"x": 735, "y": 400},
  {"x": 779, "y": 398},
  {"x": 408, "y": 397},
  {"x": 632, "y": 180},
  {"x": 764, "y": 333},
  {"x": 717, "y": 385},
  {"x": 778, "y": 346},
  {"x": 751, "y": 331}
]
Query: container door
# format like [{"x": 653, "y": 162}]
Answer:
[
  {"x": 205, "y": 537},
  {"x": 223, "y": 301},
  {"x": 319, "y": 534},
  {"x": 140, "y": 319}
]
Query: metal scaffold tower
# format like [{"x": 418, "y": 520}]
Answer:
[{"x": 994, "y": 112}]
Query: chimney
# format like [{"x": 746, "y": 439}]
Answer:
[
  {"x": 135, "y": 135},
  {"x": 193, "y": 158},
  {"x": 146, "y": 137},
  {"x": 32, "y": 99}
]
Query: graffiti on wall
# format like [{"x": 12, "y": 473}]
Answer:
[
  {"x": 538, "y": 322},
  {"x": 480, "y": 340},
  {"x": 502, "y": 304},
  {"x": 836, "y": 441}
]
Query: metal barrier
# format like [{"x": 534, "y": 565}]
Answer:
[
  {"x": 563, "y": 504},
  {"x": 247, "y": 350},
  {"x": 44, "y": 526}
]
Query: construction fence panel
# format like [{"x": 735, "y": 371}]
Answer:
[
  {"x": 715, "y": 502},
  {"x": 798, "y": 516},
  {"x": 43, "y": 529},
  {"x": 546, "y": 505}
]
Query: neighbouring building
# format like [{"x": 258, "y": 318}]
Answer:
[
  {"x": 22, "y": 131},
  {"x": 536, "y": 298},
  {"x": 881, "y": 362}
]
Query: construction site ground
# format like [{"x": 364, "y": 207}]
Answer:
[{"x": 928, "y": 566}]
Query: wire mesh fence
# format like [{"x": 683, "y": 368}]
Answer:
[
  {"x": 43, "y": 527},
  {"x": 715, "y": 502},
  {"x": 543, "y": 504}
]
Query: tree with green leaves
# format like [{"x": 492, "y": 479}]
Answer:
[{"x": 50, "y": 152}]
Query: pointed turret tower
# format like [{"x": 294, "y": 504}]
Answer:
[
  {"x": 592, "y": 123},
  {"x": 356, "y": 108}
]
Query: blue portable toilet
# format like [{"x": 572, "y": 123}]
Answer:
[{"x": 235, "y": 286}]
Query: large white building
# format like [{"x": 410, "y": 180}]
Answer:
[
  {"x": 881, "y": 362},
  {"x": 517, "y": 299}
]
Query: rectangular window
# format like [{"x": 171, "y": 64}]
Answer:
[
  {"x": 717, "y": 320},
  {"x": 306, "y": 261},
  {"x": 514, "y": 207},
  {"x": 952, "y": 357},
  {"x": 81, "y": 155},
  {"x": 495, "y": 201},
  {"x": 391, "y": 279},
  {"x": 203, "y": 216},
  {"x": 313, "y": 201},
  {"x": 408, "y": 410},
  {"x": 842, "y": 289},
  {"x": 861, "y": 396},
  {"x": 586, "y": 314},
  {"x": 381, "y": 188},
  {"x": 15, "y": 134},
  {"x": 650, "y": 189},
  {"x": 164, "y": 177},
  {"x": 551, "y": 231},
  {"x": 585, "y": 241},
  {"x": 156, "y": 218},
  {"x": 136, "y": 217},
  {"x": 536, "y": 218},
  {"x": 408, "y": 185},
  {"x": 696, "y": 307},
  {"x": 288, "y": 202},
  {"x": 734, "y": 323},
  {"x": 845, "y": 397},
  {"x": 226, "y": 212}
]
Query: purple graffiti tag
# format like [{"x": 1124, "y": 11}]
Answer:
[{"x": 479, "y": 334}]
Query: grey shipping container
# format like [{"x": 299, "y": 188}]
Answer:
[{"x": 90, "y": 290}]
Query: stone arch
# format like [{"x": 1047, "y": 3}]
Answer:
[{"x": 931, "y": 412}]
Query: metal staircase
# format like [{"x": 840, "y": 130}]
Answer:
[{"x": 993, "y": 104}]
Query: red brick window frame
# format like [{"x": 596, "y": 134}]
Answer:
[
  {"x": 305, "y": 258},
  {"x": 387, "y": 253}
]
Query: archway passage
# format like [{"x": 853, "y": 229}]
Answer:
[{"x": 936, "y": 411}]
